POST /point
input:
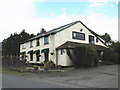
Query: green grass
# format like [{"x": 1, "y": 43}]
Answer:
[{"x": 5, "y": 70}]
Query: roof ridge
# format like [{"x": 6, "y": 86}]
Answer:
[
  {"x": 62, "y": 26},
  {"x": 53, "y": 30}
]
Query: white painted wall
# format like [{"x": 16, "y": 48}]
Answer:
[{"x": 62, "y": 58}]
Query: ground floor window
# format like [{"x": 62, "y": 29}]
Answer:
[
  {"x": 23, "y": 54},
  {"x": 46, "y": 54},
  {"x": 31, "y": 56},
  {"x": 22, "y": 57},
  {"x": 37, "y": 57}
]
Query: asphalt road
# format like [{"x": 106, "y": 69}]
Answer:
[
  {"x": 96, "y": 77},
  {"x": 15, "y": 81}
]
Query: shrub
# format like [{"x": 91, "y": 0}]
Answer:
[
  {"x": 41, "y": 64},
  {"x": 85, "y": 55},
  {"x": 110, "y": 56},
  {"x": 49, "y": 65},
  {"x": 79, "y": 56},
  {"x": 36, "y": 67},
  {"x": 92, "y": 57}
]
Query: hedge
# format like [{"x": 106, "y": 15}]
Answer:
[{"x": 85, "y": 56}]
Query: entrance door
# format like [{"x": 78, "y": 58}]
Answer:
[{"x": 46, "y": 54}]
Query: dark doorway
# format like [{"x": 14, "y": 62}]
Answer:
[
  {"x": 31, "y": 56},
  {"x": 46, "y": 54},
  {"x": 37, "y": 56}
]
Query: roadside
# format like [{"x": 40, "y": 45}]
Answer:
[
  {"x": 96, "y": 77},
  {"x": 5, "y": 70}
]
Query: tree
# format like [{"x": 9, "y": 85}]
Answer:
[
  {"x": 10, "y": 46},
  {"x": 110, "y": 57},
  {"x": 115, "y": 46},
  {"x": 42, "y": 30},
  {"x": 107, "y": 38}
]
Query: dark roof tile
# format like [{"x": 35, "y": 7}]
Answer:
[
  {"x": 53, "y": 31},
  {"x": 71, "y": 45}
]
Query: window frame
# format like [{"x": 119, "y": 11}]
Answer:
[
  {"x": 23, "y": 46},
  {"x": 31, "y": 56},
  {"x": 31, "y": 44},
  {"x": 37, "y": 42},
  {"x": 37, "y": 56},
  {"x": 93, "y": 39},
  {"x": 46, "y": 40},
  {"x": 97, "y": 40}
]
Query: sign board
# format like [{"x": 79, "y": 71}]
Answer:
[{"x": 78, "y": 35}]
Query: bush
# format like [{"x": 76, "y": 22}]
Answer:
[
  {"x": 36, "y": 67},
  {"x": 49, "y": 65},
  {"x": 85, "y": 56},
  {"x": 41, "y": 64},
  {"x": 110, "y": 56}
]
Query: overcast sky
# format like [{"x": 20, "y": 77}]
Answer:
[{"x": 100, "y": 16}]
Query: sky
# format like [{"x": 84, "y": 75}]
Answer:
[{"x": 101, "y": 16}]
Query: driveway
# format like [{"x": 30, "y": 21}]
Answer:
[{"x": 95, "y": 77}]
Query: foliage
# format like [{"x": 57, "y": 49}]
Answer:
[
  {"x": 36, "y": 67},
  {"x": 10, "y": 46},
  {"x": 112, "y": 54},
  {"x": 107, "y": 38},
  {"x": 41, "y": 64},
  {"x": 49, "y": 65},
  {"x": 41, "y": 31},
  {"x": 115, "y": 46},
  {"x": 109, "y": 56},
  {"x": 85, "y": 55}
]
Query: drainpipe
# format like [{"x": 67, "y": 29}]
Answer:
[{"x": 56, "y": 57}]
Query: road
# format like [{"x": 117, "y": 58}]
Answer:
[
  {"x": 15, "y": 81},
  {"x": 96, "y": 77}
]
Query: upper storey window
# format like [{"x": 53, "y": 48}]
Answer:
[
  {"x": 37, "y": 42},
  {"x": 23, "y": 46},
  {"x": 46, "y": 41},
  {"x": 91, "y": 39},
  {"x": 31, "y": 42},
  {"x": 97, "y": 40}
]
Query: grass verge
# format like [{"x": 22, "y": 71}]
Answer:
[{"x": 5, "y": 70}]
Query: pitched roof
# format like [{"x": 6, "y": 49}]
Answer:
[
  {"x": 54, "y": 31},
  {"x": 71, "y": 45}
]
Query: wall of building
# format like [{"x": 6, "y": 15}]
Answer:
[
  {"x": 61, "y": 58},
  {"x": 40, "y": 47},
  {"x": 64, "y": 59},
  {"x": 77, "y": 28},
  {"x": 66, "y": 35}
]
